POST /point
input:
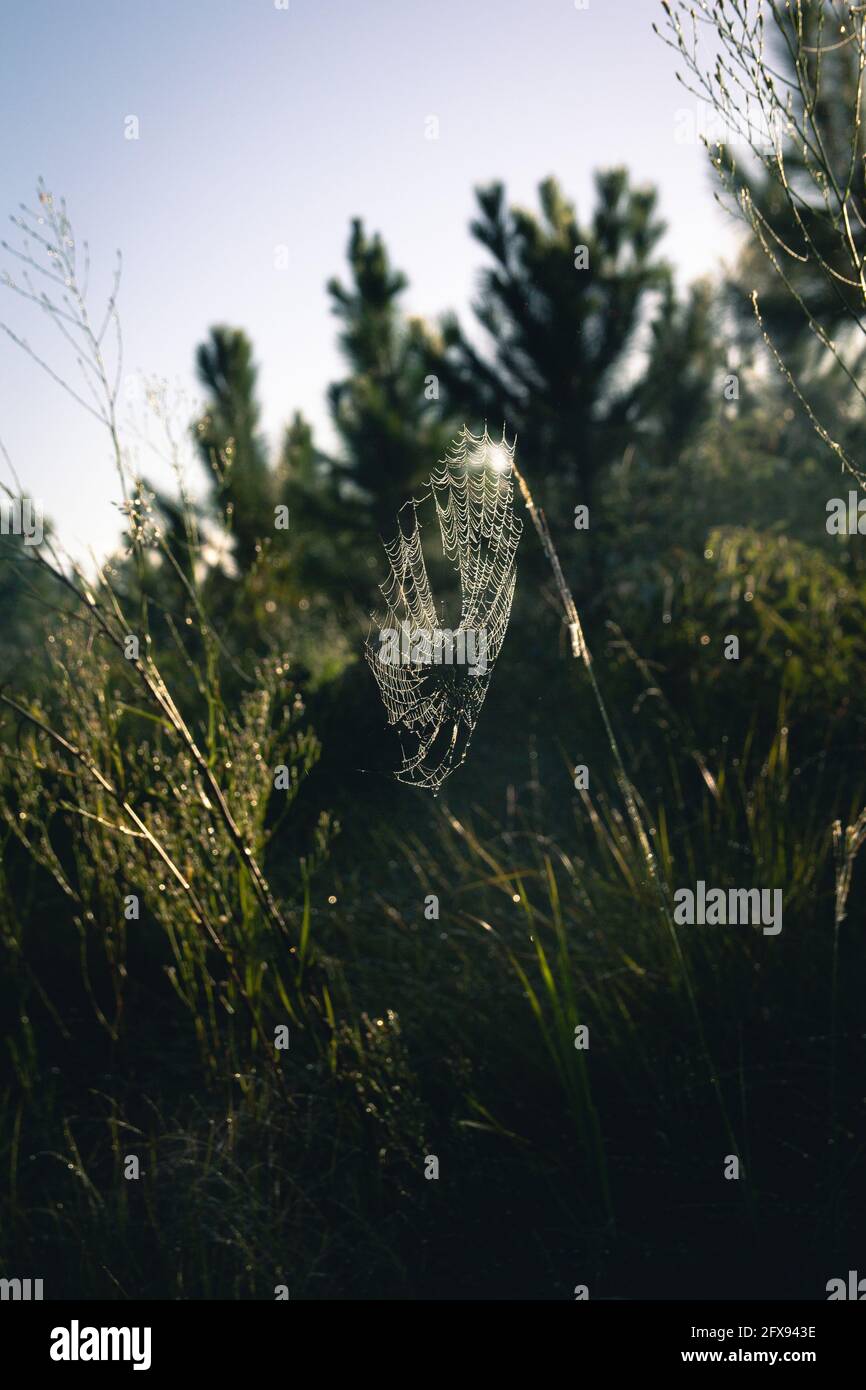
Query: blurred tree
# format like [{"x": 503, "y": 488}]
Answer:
[
  {"x": 589, "y": 352},
  {"x": 29, "y": 601},
  {"x": 230, "y": 442},
  {"x": 805, "y": 167},
  {"x": 324, "y": 523},
  {"x": 786, "y": 85},
  {"x": 385, "y": 411}
]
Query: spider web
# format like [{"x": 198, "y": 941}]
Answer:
[{"x": 435, "y": 707}]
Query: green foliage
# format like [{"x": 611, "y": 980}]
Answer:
[
  {"x": 453, "y": 1035},
  {"x": 587, "y": 361},
  {"x": 389, "y": 429},
  {"x": 824, "y": 151},
  {"x": 230, "y": 442}
]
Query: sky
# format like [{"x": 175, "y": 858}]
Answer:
[{"x": 262, "y": 128}]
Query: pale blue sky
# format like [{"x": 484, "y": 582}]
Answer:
[{"x": 261, "y": 127}]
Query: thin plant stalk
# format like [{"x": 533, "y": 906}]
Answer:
[
  {"x": 581, "y": 650},
  {"x": 846, "y": 846}
]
